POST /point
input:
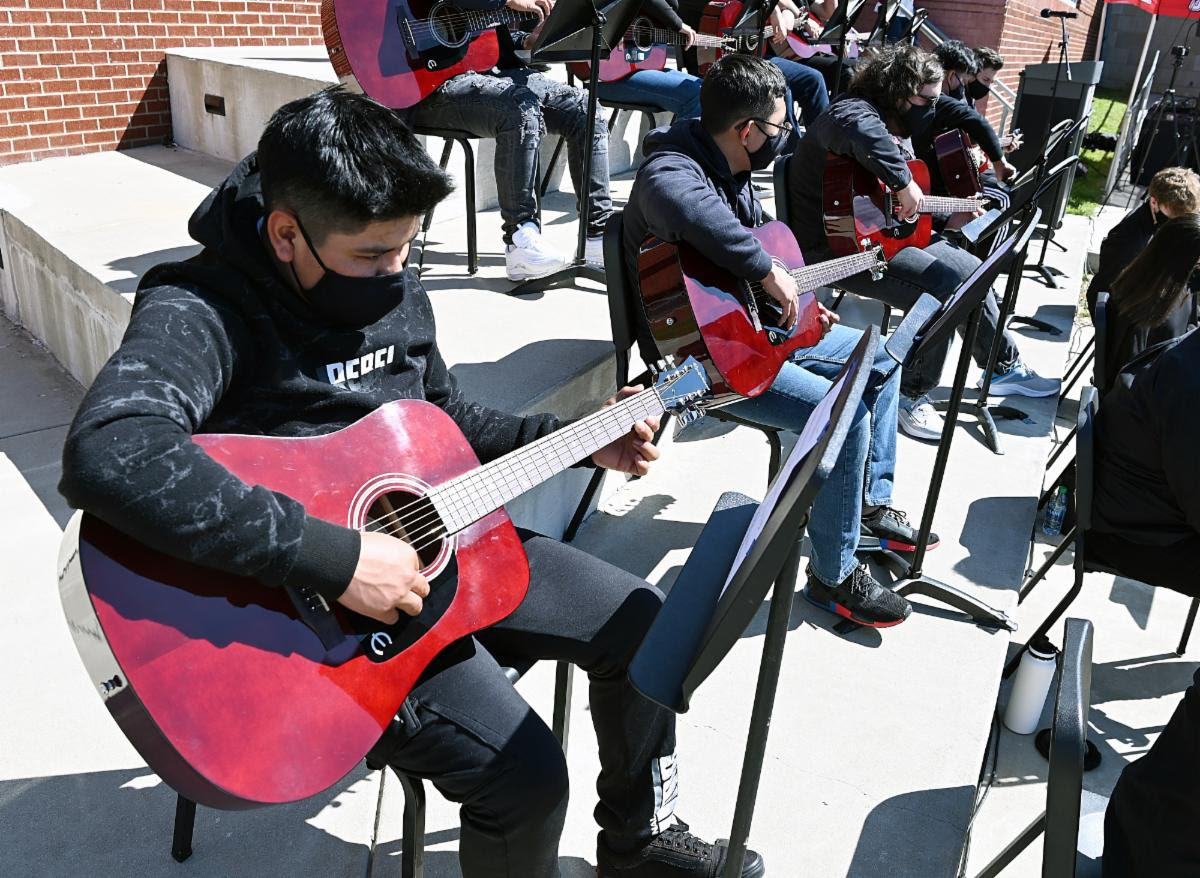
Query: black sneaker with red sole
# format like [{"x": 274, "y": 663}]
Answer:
[
  {"x": 859, "y": 598},
  {"x": 890, "y": 526}
]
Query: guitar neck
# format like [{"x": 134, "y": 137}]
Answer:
[
  {"x": 480, "y": 20},
  {"x": 469, "y": 497},
  {"x": 810, "y": 277},
  {"x": 942, "y": 204},
  {"x": 662, "y": 37}
]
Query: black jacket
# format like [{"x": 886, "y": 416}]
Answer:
[
  {"x": 851, "y": 127},
  {"x": 685, "y": 191},
  {"x": 949, "y": 114},
  {"x": 1147, "y": 476},
  {"x": 220, "y": 344},
  {"x": 1121, "y": 246}
]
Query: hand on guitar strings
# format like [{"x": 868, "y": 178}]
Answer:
[
  {"x": 689, "y": 36},
  {"x": 910, "y": 201},
  {"x": 635, "y": 451},
  {"x": 387, "y": 579},
  {"x": 781, "y": 286},
  {"x": 540, "y": 8}
]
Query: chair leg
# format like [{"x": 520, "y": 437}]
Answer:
[
  {"x": 1049, "y": 621},
  {"x": 564, "y": 681},
  {"x": 1187, "y": 627},
  {"x": 776, "y": 458},
  {"x": 885, "y": 322},
  {"x": 585, "y": 503},
  {"x": 185, "y": 821},
  {"x": 428, "y": 221},
  {"x": 1068, "y": 540},
  {"x": 837, "y": 300},
  {"x": 412, "y": 854},
  {"x": 469, "y": 190}
]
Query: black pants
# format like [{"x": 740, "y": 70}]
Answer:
[
  {"x": 1152, "y": 826},
  {"x": 1174, "y": 566},
  {"x": 467, "y": 730}
]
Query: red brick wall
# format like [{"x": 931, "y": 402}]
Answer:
[{"x": 88, "y": 75}]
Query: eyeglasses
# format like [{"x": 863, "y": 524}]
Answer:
[
  {"x": 770, "y": 129},
  {"x": 925, "y": 100}
]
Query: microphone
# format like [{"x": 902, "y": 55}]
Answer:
[{"x": 1047, "y": 13}]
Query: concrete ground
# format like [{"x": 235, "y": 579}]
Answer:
[{"x": 877, "y": 739}]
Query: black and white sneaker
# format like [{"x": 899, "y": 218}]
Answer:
[
  {"x": 674, "y": 853},
  {"x": 859, "y": 598},
  {"x": 890, "y": 526}
]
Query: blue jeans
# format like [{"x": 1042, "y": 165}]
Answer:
[
  {"x": 673, "y": 90},
  {"x": 866, "y": 468},
  {"x": 807, "y": 88}
]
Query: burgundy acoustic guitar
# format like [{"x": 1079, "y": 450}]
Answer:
[
  {"x": 400, "y": 51},
  {"x": 644, "y": 47},
  {"x": 960, "y": 162},
  {"x": 859, "y": 210},
  {"x": 240, "y": 695},
  {"x": 718, "y": 20},
  {"x": 698, "y": 310}
]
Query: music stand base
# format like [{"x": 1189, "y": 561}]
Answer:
[
  {"x": 1047, "y": 276},
  {"x": 986, "y": 414},
  {"x": 1039, "y": 325},
  {"x": 980, "y": 613},
  {"x": 562, "y": 278}
]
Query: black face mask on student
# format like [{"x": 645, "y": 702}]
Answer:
[
  {"x": 917, "y": 120},
  {"x": 977, "y": 91},
  {"x": 351, "y": 302},
  {"x": 761, "y": 158}
]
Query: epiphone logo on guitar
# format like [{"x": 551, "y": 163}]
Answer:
[{"x": 380, "y": 641}]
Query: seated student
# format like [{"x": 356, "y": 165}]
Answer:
[
  {"x": 516, "y": 106},
  {"x": 1146, "y": 512},
  {"x": 1150, "y": 301},
  {"x": 695, "y": 187},
  {"x": 1173, "y": 192},
  {"x": 1152, "y": 815},
  {"x": 806, "y": 86},
  {"x": 825, "y": 63},
  {"x": 305, "y": 248},
  {"x": 894, "y": 94},
  {"x": 990, "y": 64},
  {"x": 959, "y": 67},
  {"x": 676, "y": 91}
]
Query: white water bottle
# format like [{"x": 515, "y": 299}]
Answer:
[{"x": 1030, "y": 688}]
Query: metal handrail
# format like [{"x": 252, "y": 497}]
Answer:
[{"x": 1002, "y": 92}]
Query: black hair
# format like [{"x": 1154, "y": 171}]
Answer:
[
  {"x": 340, "y": 160},
  {"x": 1152, "y": 286},
  {"x": 889, "y": 76},
  {"x": 737, "y": 88},
  {"x": 986, "y": 57},
  {"x": 957, "y": 56}
]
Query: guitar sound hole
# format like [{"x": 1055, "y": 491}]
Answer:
[
  {"x": 449, "y": 27},
  {"x": 412, "y": 518},
  {"x": 641, "y": 34}
]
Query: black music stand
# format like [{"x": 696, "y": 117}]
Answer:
[
  {"x": 578, "y": 30},
  {"x": 1068, "y": 136},
  {"x": 966, "y": 304},
  {"x": 744, "y": 548},
  {"x": 838, "y": 28}
]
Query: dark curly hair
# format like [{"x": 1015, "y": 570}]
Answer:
[
  {"x": 957, "y": 56},
  {"x": 889, "y": 76},
  {"x": 986, "y": 57}
]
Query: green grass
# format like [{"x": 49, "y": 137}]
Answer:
[{"x": 1108, "y": 108}]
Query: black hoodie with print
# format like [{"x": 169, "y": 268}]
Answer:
[{"x": 220, "y": 344}]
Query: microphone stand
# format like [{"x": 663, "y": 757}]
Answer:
[{"x": 1063, "y": 63}]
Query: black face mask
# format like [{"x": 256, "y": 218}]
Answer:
[
  {"x": 916, "y": 120},
  {"x": 1158, "y": 217},
  {"x": 761, "y": 158},
  {"x": 977, "y": 91},
  {"x": 351, "y": 302}
]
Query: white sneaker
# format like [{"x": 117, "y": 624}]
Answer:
[
  {"x": 530, "y": 256},
  {"x": 594, "y": 251},
  {"x": 919, "y": 419}
]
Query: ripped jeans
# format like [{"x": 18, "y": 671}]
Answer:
[{"x": 516, "y": 108}]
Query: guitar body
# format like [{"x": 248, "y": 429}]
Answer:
[
  {"x": 719, "y": 17},
  {"x": 628, "y": 57},
  {"x": 698, "y": 309},
  {"x": 215, "y": 679},
  {"x": 856, "y": 210},
  {"x": 958, "y": 163},
  {"x": 379, "y": 47}
]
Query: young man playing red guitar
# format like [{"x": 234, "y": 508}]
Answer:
[
  {"x": 299, "y": 318},
  {"x": 893, "y": 96},
  {"x": 695, "y": 187}
]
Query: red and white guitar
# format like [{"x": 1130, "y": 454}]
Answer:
[
  {"x": 400, "y": 51},
  {"x": 239, "y": 695},
  {"x": 643, "y": 48}
]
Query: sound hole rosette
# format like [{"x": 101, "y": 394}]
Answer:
[
  {"x": 449, "y": 25},
  {"x": 410, "y": 489},
  {"x": 641, "y": 34}
]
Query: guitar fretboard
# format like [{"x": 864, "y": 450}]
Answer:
[
  {"x": 643, "y": 35},
  {"x": 831, "y": 271},
  {"x": 469, "y": 497},
  {"x": 942, "y": 204}
]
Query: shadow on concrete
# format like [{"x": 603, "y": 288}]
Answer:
[
  {"x": 141, "y": 263},
  {"x": 119, "y": 823},
  {"x": 508, "y": 384},
  {"x": 995, "y": 528},
  {"x": 1062, "y": 316},
  {"x": 899, "y": 839},
  {"x": 1136, "y": 597},
  {"x": 199, "y": 168},
  {"x": 444, "y": 864}
]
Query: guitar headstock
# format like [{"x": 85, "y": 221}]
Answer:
[
  {"x": 879, "y": 267},
  {"x": 681, "y": 387}
]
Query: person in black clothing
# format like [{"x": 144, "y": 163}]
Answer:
[
  {"x": 1173, "y": 192},
  {"x": 1146, "y": 511},
  {"x": 959, "y": 66},
  {"x": 1151, "y": 300},
  {"x": 949, "y": 114},
  {"x": 298, "y": 318},
  {"x": 695, "y": 187},
  {"x": 990, "y": 64},
  {"x": 895, "y": 94}
]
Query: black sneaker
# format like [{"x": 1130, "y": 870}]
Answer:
[
  {"x": 890, "y": 526},
  {"x": 859, "y": 598},
  {"x": 674, "y": 853}
]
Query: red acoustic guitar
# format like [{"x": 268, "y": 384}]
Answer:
[
  {"x": 960, "y": 162},
  {"x": 239, "y": 695},
  {"x": 860, "y": 211},
  {"x": 698, "y": 310},
  {"x": 643, "y": 48},
  {"x": 399, "y": 51},
  {"x": 718, "y": 20}
]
